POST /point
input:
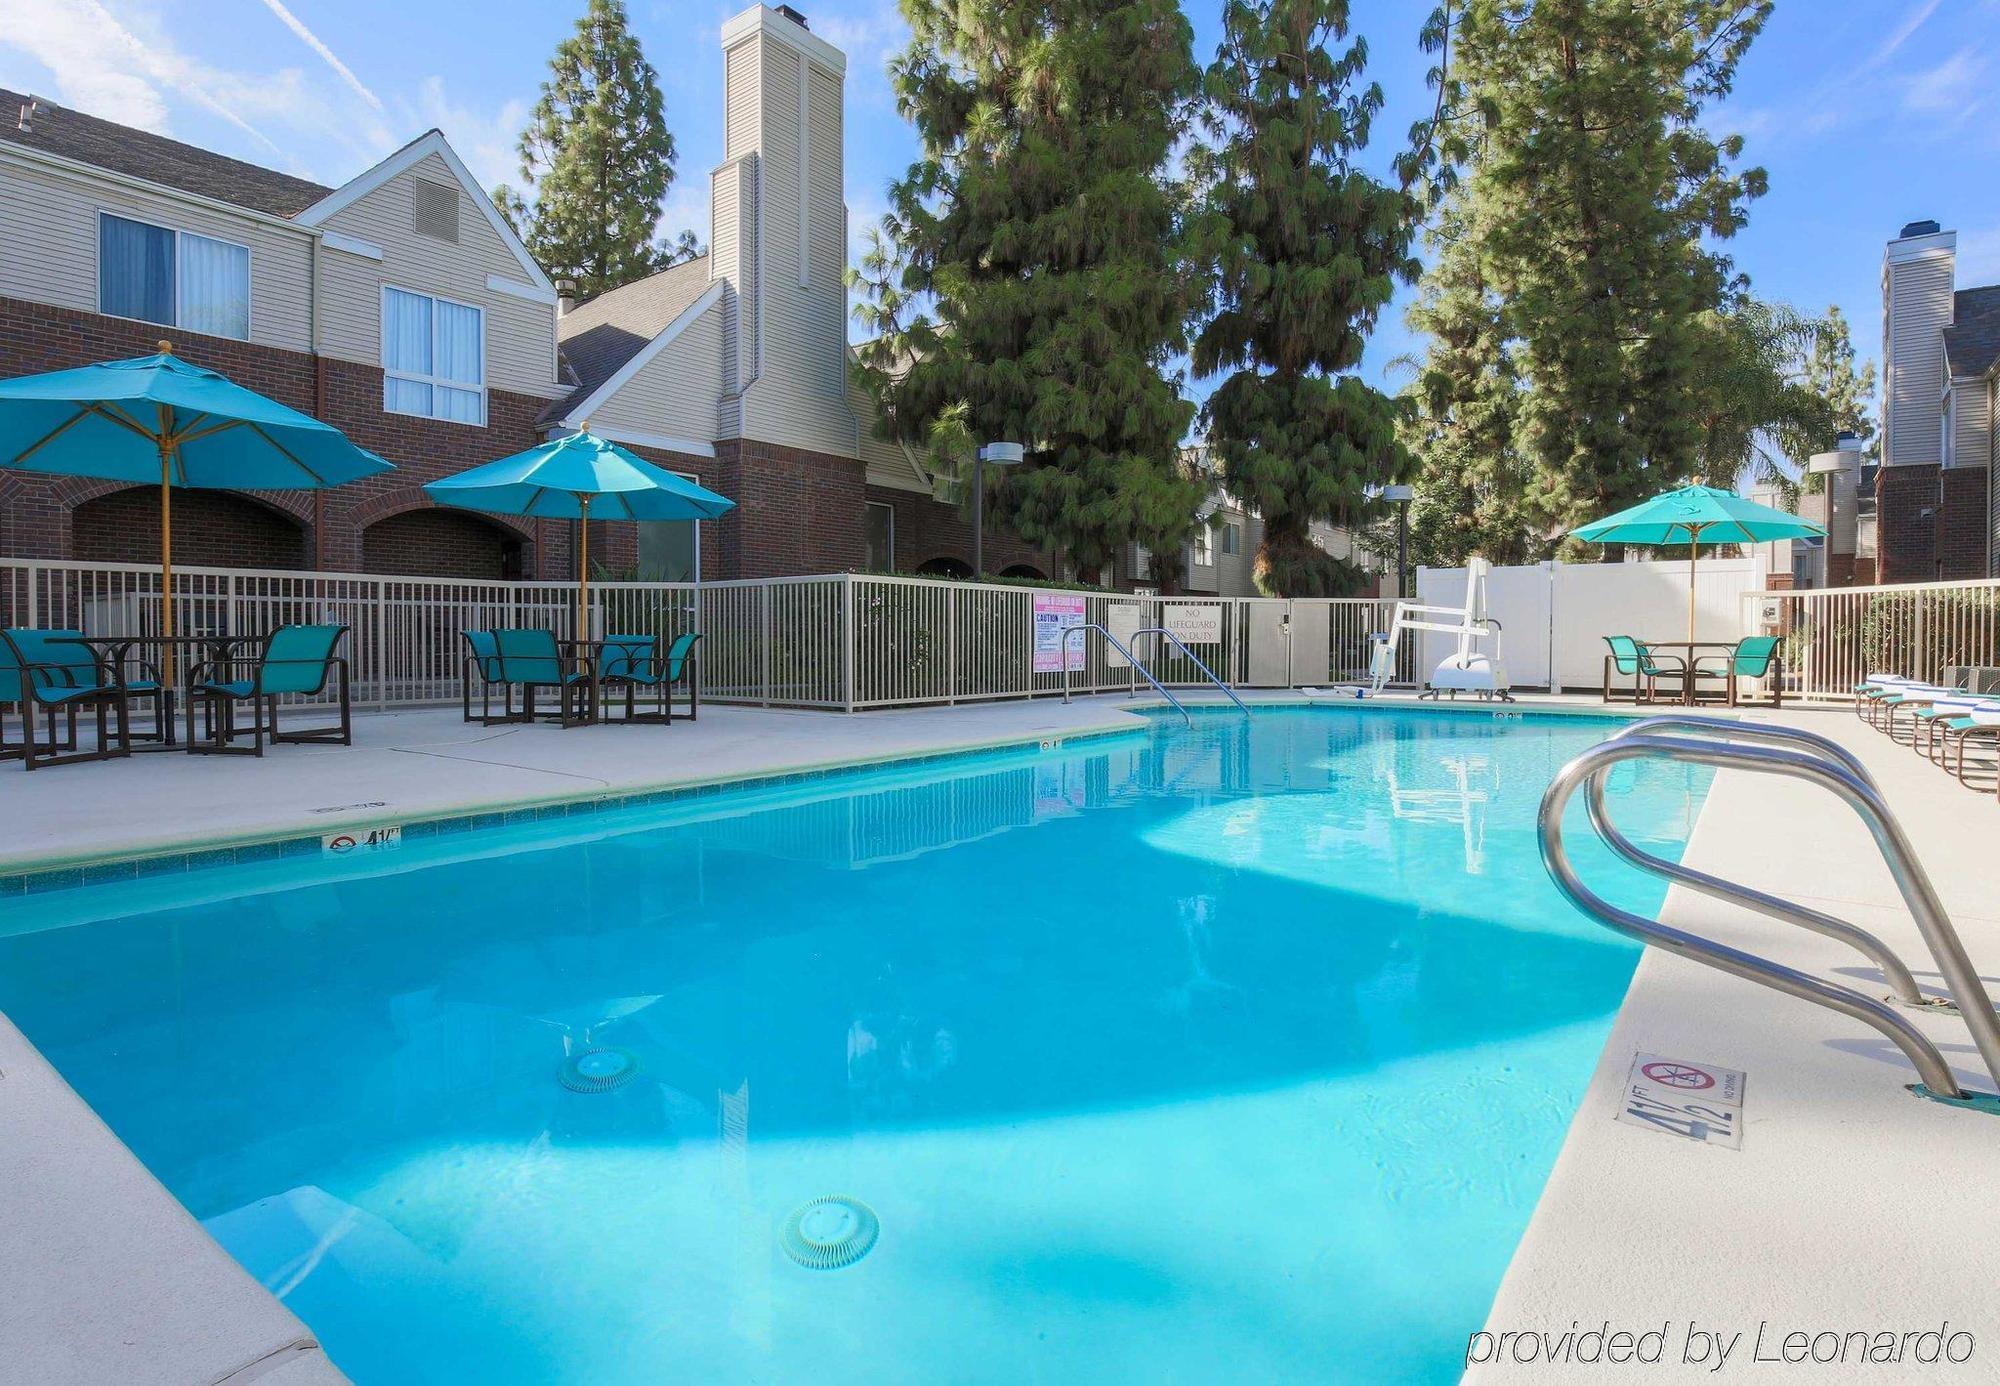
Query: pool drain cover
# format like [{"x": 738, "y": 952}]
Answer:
[
  {"x": 829, "y": 1233},
  {"x": 599, "y": 1070}
]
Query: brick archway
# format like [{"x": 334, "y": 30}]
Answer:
[{"x": 111, "y": 522}]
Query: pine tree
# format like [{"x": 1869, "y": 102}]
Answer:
[
  {"x": 1849, "y": 393},
  {"x": 1308, "y": 251},
  {"x": 1041, "y": 225},
  {"x": 598, "y": 159},
  {"x": 1592, "y": 190}
]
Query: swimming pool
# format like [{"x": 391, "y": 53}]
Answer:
[{"x": 1237, "y": 1053}]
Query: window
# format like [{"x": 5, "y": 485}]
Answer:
[
  {"x": 174, "y": 278},
  {"x": 878, "y": 537},
  {"x": 670, "y": 550},
  {"x": 433, "y": 357},
  {"x": 1201, "y": 550},
  {"x": 1142, "y": 561},
  {"x": 1232, "y": 537}
]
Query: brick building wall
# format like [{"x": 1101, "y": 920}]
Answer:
[
  {"x": 1962, "y": 523},
  {"x": 38, "y": 513},
  {"x": 927, "y": 530},
  {"x": 797, "y": 512},
  {"x": 212, "y": 529},
  {"x": 1930, "y": 523}
]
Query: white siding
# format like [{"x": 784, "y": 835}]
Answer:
[
  {"x": 48, "y": 245},
  {"x": 1972, "y": 424},
  {"x": 887, "y": 463},
  {"x": 1916, "y": 308},
  {"x": 674, "y": 393},
  {"x": 733, "y": 261},
  {"x": 520, "y": 335},
  {"x": 787, "y": 268}
]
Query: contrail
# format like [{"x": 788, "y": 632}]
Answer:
[
  {"x": 171, "y": 73},
  {"x": 312, "y": 41}
]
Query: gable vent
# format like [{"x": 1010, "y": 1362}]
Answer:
[{"x": 437, "y": 210}]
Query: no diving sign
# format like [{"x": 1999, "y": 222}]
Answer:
[{"x": 1695, "y": 1101}]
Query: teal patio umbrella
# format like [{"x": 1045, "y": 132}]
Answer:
[
  {"x": 573, "y": 478},
  {"x": 1694, "y": 515},
  {"x": 158, "y": 420}
]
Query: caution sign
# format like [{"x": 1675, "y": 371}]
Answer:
[{"x": 1695, "y": 1101}]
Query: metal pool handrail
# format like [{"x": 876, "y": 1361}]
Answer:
[
  {"x": 1130, "y": 659},
  {"x": 1819, "y": 762},
  {"x": 1192, "y": 658}
]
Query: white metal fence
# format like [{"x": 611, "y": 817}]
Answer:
[
  {"x": 1835, "y": 636},
  {"x": 840, "y": 641}
]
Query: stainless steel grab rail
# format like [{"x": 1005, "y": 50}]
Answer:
[
  {"x": 1192, "y": 658},
  {"x": 1831, "y": 768},
  {"x": 1901, "y": 983},
  {"x": 1130, "y": 659}
]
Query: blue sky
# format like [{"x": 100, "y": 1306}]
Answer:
[{"x": 1866, "y": 113}]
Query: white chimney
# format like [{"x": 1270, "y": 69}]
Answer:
[
  {"x": 1918, "y": 269},
  {"x": 778, "y": 236}
]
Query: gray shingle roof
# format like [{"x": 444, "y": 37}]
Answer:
[
  {"x": 599, "y": 337},
  {"x": 1972, "y": 342},
  {"x": 138, "y": 154}
]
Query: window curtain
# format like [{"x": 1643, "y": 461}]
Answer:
[
  {"x": 406, "y": 346},
  {"x": 135, "y": 270},
  {"x": 215, "y": 287},
  {"x": 458, "y": 358}
]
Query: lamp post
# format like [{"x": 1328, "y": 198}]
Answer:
[
  {"x": 999, "y": 455},
  {"x": 1399, "y": 496}
]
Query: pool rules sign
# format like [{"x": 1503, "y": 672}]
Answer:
[{"x": 1695, "y": 1101}]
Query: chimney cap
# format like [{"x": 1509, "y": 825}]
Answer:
[
  {"x": 1926, "y": 227},
  {"x": 788, "y": 12}
]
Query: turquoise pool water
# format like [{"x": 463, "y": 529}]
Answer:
[{"x": 1234, "y": 1054}]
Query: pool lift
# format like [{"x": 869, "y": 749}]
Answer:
[{"x": 1474, "y": 667}]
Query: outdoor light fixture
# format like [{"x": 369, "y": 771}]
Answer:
[
  {"x": 1399, "y": 496},
  {"x": 999, "y": 455}
]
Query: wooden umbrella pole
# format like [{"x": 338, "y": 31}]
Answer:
[{"x": 583, "y": 567}]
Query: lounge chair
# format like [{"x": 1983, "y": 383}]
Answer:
[
  {"x": 295, "y": 660},
  {"x": 1634, "y": 660},
  {"x": 531, "y": 659},
  {"x": 1755, "y": 657},
  {"x": 1955, "y": 730},
  {"x": 54, "y": 670},
  {"x": 631, "y": 661}
]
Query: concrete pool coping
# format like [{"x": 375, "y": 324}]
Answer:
[
  {"x": 101, "y": 1233},
  {"x": 1853, "y": 1206}
]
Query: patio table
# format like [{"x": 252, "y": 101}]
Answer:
[
  {"x": 1687, "y": 651},
  {"x": 184, "y": 650}
]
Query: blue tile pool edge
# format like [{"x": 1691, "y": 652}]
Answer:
[{"x": 66, "y": 872}]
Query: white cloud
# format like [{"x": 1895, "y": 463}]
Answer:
[
  {"x": 486, "y": 141},
  {"x": 869, "y": 40},
  {"x": 1952, "y": 87},
  {"x": 100, "y": 65},
  {"x": 1900, "y": 35},
  {"x": 312, "y": 41}
]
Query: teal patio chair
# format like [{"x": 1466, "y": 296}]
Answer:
[
  {"x": 532, "y": 659},
  {"x": 482, "y": 666},
  {"x": 1632, "y": 659},
  {"x": 56, "y": 672},
  {"x": 1755, "y": 658},
  {"x": 633, "y": 662},
  {"x": 295, "y": 661}
]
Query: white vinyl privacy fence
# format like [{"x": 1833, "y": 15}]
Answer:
[
  {"x": 1555, "y": 615},
  {"x": 841, "y": 641}
]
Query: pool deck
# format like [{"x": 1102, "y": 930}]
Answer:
[{"x": 1852, "y": 1205}]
